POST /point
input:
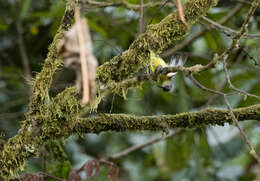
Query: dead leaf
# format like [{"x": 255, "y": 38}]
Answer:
[{"x": 75, "y": 48}]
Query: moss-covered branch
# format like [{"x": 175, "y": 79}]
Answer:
[
  {"x": 126, "y": 122},
  {"x": 48, "y": 119},
  {"x": 30, "y": 137},
  {"x": 158, "y": 36},
  {"x": 43, "y": 80}
]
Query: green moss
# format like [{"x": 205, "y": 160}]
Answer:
[
  {"x": 125, "y": 122},
  {"x": 158, "y": 37},
  {"x": 50, "y": 119}
]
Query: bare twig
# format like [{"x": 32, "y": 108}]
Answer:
[
  {"x": 186, "y": 42},
  {"x": 138, "y": 147},
  {"x": 52, "y": 176},
  {"x": 141, "y": 17},
  {"x": 228, "y": 30},
  {"x": 252, "y": 150},
  {"x": 123, "y": 3},
  {"x": 232, "y": 115},
  {"x": 180, "y": 12},
  {"x": 203, "y": 87},
  {"x": 235, "y": 40},
  {"x": 244, "y": 2},
  {"x": 214, "y": 97},
  {"x": 22, "y": 48},
  {"x": 223, "y": 82},
  {"x": 232, "y": 86},
  {"x": 84, "y": 68}
]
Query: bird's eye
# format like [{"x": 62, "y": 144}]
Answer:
[{"x": 166, "y": 88}]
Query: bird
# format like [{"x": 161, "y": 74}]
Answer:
[{"x": 166, "y": 82}]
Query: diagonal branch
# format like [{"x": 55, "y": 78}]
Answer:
[
  {"x": 138, "y": 147},
  {"x": 158, "y": 36},
  {"x": 227, "y": 30},
  {"x": 201, "y": 32},
  {"x": 232, "y": 86},
  {"x": 231, "y": 113}
]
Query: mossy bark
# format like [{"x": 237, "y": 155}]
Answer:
[
  {"x": 157, "y": 37},
  {"x": 41, "y": 119},
  {"x": 52, "y": 118},
  {"x": 126, "y": 122}
]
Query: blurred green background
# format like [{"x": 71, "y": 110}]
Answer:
[{"x": 212, "y": 153}]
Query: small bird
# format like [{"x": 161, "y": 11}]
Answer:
[{"x": 166, "y": 81}]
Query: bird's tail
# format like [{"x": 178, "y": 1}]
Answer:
[{"x": 178, "y": 59}]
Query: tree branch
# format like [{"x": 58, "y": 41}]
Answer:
[
  {"x": 158, "y": 36},
  {"x": 148, "y": 143},
  {"x": 201, "y": 32},
  {"x": 121, "y": 3},
  {"x": 126, "y": 122},
  {"x": 26, "y": 143}
]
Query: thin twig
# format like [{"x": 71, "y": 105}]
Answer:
[
  {"x": 201, "y": 32},
  {"x": 84, "y": 68},
  {"x": 214, "y": 97},
  {"x": 51, "y": 176},
  {"x": 141, "y": 17},
  {"x": 203, "y": 87},
  {"x": 138, "y": 147},
  {"x": 22, "y": 48},
  {"x": 232, "y": 115},
  {"x": 123, "y": 3},
  {"x": 252, "y": 150},
  {"x": 227, "y": 30},
  {"x": 232, "y": 86},
  {"x": 223, "y": 82},
  {"x": 180, "y": 12},
  {"x": 235, "y": 40},
  {"x": 243, "y": 1}
]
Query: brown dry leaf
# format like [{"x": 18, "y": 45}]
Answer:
[
  {"x": 74, "y": 52},
  {"x": 74, "y": 175}
]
